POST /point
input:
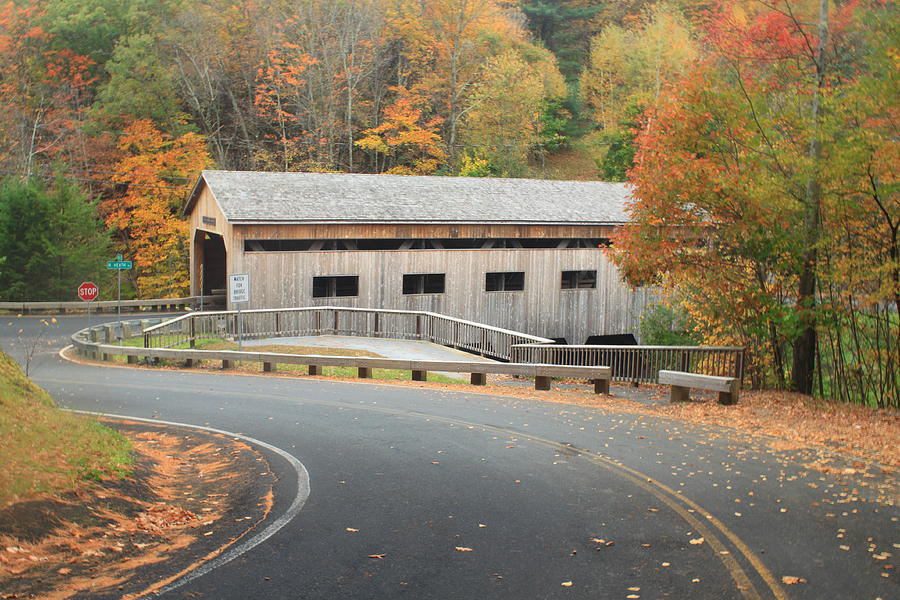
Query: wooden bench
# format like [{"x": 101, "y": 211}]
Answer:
[{"x": 728, "y": 387}]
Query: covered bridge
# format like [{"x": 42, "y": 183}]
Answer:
[{"x": 515, "y": 253}]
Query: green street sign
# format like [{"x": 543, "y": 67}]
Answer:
[{"x": 118, "y": 264}]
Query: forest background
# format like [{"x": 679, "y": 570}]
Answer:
[{"x": 761, "y": 137}]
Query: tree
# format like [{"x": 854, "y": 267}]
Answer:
[
  {"x": 410, "y": 143},
  {"x": 629, "y": 70},
  {"x": 730, "y": 185},
  {"x": 140, "y": 86},
  {"x": 503, "y": 118},
  {"x": 50, "y": 240},
  {"x": 146, "y": 218},
  {"x": 563, "y": 26}
]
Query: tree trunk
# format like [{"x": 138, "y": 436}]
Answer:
[{"x": 804, "y": 363}]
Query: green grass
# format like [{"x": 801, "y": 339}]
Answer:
[{"x": 45, "y": 449}]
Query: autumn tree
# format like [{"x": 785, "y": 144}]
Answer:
[
  {"x": 146, "y": 218},
  {"x": 503, "y": 118},
  {"x": 407, "y": 140},
  {"x": 731, "y": 190},
  {"x": 628, "y": 71}
]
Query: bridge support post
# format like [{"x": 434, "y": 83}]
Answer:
[
  {"x": 189, "y": 362},
  {"x": 226, "y": 364},
  {"x": 268, "y": 367},
  {"x": 131, "y": 360},
  {"x": 542, "y": 382},
  {"x": 420, "y": 375},
  {"x": 601, "y": 386},
  {"x": 364, "y": 372},
  {"x": 315, "y": 370},
  {"x": 479, "y": 379}
]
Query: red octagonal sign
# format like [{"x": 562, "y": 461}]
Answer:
[{"x": 88, "y": 291}]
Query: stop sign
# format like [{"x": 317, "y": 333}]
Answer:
[{"x": 88, "y": 291}]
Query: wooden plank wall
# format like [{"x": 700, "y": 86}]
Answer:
[{"x": 284, "y": 279}]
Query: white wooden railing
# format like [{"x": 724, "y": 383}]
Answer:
[{"x": 185, "y": 331}]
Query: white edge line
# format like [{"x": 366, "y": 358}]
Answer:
[{"x": 271, "y": 529}]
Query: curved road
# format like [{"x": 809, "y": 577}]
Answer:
[{"x": 554, "y": 500}]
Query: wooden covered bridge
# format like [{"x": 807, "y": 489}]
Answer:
[{"x": 514, "y": 253}]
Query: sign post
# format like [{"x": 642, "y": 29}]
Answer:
[
  {"x": 119, "y": 265},
  {"x": 238, "y": 293},
  {"x": 88, "y": 292}
]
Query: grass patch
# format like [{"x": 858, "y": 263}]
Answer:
[
  {"x": 45, "y": 449},
  {"x": 341, "y": 372}
]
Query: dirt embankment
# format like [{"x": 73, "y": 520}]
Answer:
[{"x": 192, "y": 495}]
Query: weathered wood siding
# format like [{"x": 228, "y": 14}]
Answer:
[
  {"x": 285, "y": 279},
  {"x": 207, "y": 206}
]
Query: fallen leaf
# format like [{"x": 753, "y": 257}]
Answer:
[
  {"x": 462, "y": 549},
  {"x": 697, "y": 541},
  {"x": 376, "y": 556},
  {"x": 64, "y": 571},
  {"x": 351, "y": 530},
  {"x": 634, "y": 589},
  {"x": 567, "y": 584},
  {"x": 791, "y": 580}
]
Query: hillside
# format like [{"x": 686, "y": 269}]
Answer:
[{"x": 45, "y": 449}]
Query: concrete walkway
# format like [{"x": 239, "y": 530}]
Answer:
[{"x": 386, "y": 347}]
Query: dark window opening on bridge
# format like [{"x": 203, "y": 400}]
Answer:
[
  {"x": 504, "y": 282},
  {"x": 423, "y": 283},
  {"x": 420, "y": 244},
  {"x": 579, "y": 280},
  {"x": 335, "y": 285}
]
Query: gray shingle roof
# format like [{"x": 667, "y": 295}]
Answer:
[{"x": 340, "y": 197}]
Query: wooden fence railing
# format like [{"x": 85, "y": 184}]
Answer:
[
  {"x": 186, "y": 330},
  {"x": 639, "y": 364},
  {"x": 156, "y": 305},
  {"x": 99, "y": 342}
]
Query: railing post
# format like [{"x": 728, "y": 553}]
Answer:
[
  {"x": 418, "y": 327},
  {"x": 739, "y": 366},
  {"x": 376, "y": 328},
  {"x": 335, "y": 330},
  {"x": 193, "y": 333},
  {"x": 318, "y": 322}
]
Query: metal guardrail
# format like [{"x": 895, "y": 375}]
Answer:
[
  {"x": 157, "y": 304},
  {"x": 98, "y": 342},
  {"x": 492, "y": 342},
  {"x": 639, "y": 364}
]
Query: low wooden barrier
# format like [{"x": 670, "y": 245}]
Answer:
[
  {"x": 729, "y": 388},
  {"x": 156, "y": 305},
  {"x": 95, "y": 342}
]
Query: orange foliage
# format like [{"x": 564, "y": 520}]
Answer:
[
  {"x": 146, "y": 216},
  {"x": 413, "y": 144}
]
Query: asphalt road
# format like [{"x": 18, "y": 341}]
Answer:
[{"x": 462, "y": 495}]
